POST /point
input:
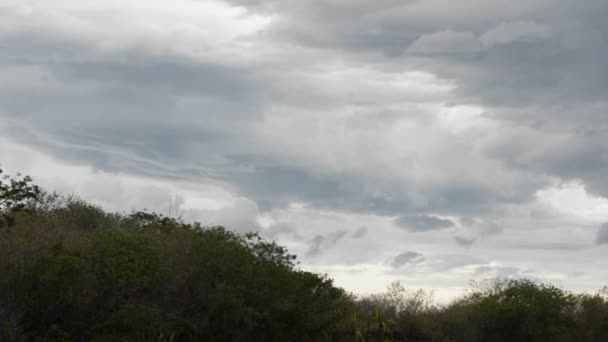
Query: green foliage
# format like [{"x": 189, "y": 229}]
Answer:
[
  {"x": 524, "y": 310},
  {"x": 521, "y": 310},
  {"x": 592, "y": 316},
  {"x": 395, "y": 315},
  {"x": 71, "y": 272},
  {"x": 133, "y": 322},
  {"x": 16, "y": 194}
]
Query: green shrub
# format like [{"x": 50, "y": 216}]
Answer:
[{"x": 69, "y": 271}]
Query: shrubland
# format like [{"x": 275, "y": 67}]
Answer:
[{"x": 70, "y": 271}]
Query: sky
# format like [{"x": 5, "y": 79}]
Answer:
[{"x": 426, "y": 141}]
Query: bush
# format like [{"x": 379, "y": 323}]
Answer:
[{"x": 69, "y": 271}]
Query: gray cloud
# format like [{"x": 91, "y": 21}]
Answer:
[
  {"x": 280, "y": 228},
  {"x": 240, "y": 217},
  {"x": 318, "y": 244},
  {"x": 484, "y": 270},
  {"x": 209, "y": 134},
  {"x": 365, "y": 108},
  {"x": 445, "y": 42},
  {"x": 506, "y": 33},
  {"x": 360, "y": 232},
  {"x": 500, "y": 271},
  {"x": 602, "y": 234},
  {"x": 422, "y": 223},
  {"x": 213, "y": 105},
  {"x": 465, "y": 241},
  {"x": 536, "y": 64},
  {"x": 443, "y": 263},
  {"x": 406, "y": 258}
]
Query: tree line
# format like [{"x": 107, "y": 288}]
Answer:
[{"x": 70, "y": 271}]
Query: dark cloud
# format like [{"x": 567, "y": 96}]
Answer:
[
  {"x": 602, "y": 234},
  {"x": 279, "y": 228},
  {"x": 318, "y": 244},
  {"x": 331, "y": 24},
  {"x": 406, "y": 258},
  {"x": 360, "y": 232},
  {"x": 130, "y": 112},
  {"x": 465, "y": 241},
  {"x": 422, "y": 223}
]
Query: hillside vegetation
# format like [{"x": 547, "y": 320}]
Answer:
[{"x": 70, "y": 271}]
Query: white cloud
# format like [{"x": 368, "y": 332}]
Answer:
[
  {"x": 460, "y": 118},
  {"x": 207, "y": 29},
  {"x": 241, "y": 216},
  {"x": 123, "y": 192},
  {"x": 571, "y": 198}
]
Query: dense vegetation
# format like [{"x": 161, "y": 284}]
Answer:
[{"x": 71, "y": 272}]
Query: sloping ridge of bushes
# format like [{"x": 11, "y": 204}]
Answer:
[{"x": 70, "y": 271}]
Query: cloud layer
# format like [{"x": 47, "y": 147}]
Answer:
[{"x": 352, "y": 131}]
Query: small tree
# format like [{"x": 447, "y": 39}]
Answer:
[
  {"x": 523, "y": 310},
  {"x": 16, "y": 194}
]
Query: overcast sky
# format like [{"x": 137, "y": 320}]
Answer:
[{"x": 428, "y": 141}]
